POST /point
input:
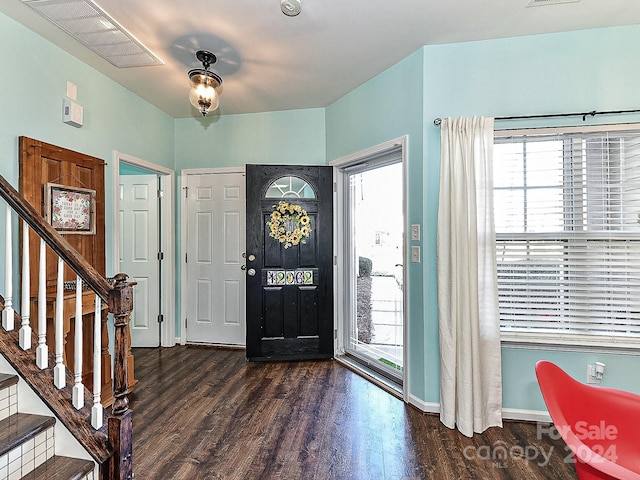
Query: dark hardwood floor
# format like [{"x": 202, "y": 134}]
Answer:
[{"x": 204, "y": 413}]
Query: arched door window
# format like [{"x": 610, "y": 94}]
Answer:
[{"x": 290, "y": 187}]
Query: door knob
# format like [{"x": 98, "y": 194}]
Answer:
[
  {"x": 251, "y": 272},
  {"x": 251, "y": 258},
  {"x": 243, "y": 267}
]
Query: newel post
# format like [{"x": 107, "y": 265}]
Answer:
[{"x": 121, "y": 420}]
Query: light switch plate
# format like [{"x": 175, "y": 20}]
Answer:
[
  {"x": 72, "y": 90},
  {"x": 415, "y": 232}
]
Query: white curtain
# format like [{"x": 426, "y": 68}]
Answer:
[{"x": 469, "y": 328}]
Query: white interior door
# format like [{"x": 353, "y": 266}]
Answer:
[
  {"x": 139, "y": 249},
  {"x": 215, "y": 247}
]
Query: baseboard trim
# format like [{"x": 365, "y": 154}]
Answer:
[
  {"x": 517, "y": 414},
  {"x": 507, "y": 413},
  {"x": 526, "y": 415},
  {"x": 426, "y": 407}
]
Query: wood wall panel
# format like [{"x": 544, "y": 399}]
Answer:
[{"x": 41, "y": 163}]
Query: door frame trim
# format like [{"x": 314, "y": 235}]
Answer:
[
  {"x": 167, "y": 182},
  {"x": 184, "y": 173},
  {"x": 340, "y": 306}
]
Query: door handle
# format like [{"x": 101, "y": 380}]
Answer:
[
  {"x": 251, "y": 258},
  {"x": 243, "y": 267},
  {"x": 251, "y": 272}
]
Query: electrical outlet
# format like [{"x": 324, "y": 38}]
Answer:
[{"x": 595, "y": 372}]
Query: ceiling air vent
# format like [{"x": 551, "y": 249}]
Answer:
[
  {"x": 91, "y": 26},
  {"x": 540, "y": 3}
]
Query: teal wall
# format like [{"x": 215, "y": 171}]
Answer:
[
  {"x": 520, "y": 386},
  {"x": 555, "y": 73},
  {"x": 576, "y": 71},
  {"x": 288, "y": 137},
  {"x": 128, "y": 169},
  {"x": 387, "y": 107},
  {"x": 32, "y": 86},
  {"x": 567, "y": 72}
]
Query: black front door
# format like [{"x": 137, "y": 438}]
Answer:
[{"x": 289, "y": 262}]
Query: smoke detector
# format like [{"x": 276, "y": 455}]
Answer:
[{"x": 290, "y": 8}]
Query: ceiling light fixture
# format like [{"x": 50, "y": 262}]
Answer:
[
  {"x": 203, "y": 94},
  {"x": 290, "y": 8}
]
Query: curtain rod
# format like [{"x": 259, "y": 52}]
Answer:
[{"x": 584, "y": 115}]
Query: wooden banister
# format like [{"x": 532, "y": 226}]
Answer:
[
  {"x": 121, "y": 423},
  {"x": 58, "y": 244},
  {"x": 119, "y": 298}
]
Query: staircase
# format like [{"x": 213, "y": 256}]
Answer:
[
  {"x": 27, "y": 442},
  {"x": 56, "y": 412}
]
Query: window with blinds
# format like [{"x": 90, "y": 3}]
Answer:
[{"x": 567, "y": 237}]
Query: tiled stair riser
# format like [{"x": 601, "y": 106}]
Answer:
[
  {"x": 25, "y": 458},
  {"x": 8, "y": 401}
]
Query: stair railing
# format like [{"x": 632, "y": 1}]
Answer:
[{"x": 117, "y": 295}]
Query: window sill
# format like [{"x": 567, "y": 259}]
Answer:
[{"x": 571, "y": 342}]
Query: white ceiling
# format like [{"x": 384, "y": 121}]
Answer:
[{"x": 272, "y": 62}]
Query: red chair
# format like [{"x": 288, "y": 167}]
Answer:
[{"x": 600, "y": 425}]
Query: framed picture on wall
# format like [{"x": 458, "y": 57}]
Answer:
[{"x": 70, "y": 209}]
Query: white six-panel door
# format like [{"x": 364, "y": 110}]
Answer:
[
  {"x": 215, "y": 247},
  {"x": 139, "y": 254}
]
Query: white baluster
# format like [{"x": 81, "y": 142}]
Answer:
[
  {"x": 25, "y": 307},
  {"x": 59, "y": 379},
  {"x": 78, "y": 387},
  {"x": 8, "y": 312},
  {"x": 42, "y": 351},
  {"x": 96, "y": 410}
]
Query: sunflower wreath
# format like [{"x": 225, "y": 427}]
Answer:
[{"x": 289, "y": 224}]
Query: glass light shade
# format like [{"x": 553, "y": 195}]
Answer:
[{"x": 203, "y": 94}]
